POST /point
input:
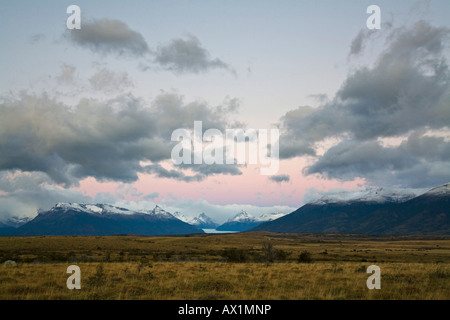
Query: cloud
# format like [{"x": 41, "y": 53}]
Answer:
[
  {"x": 290, "y": 145},
  {"x": 407, "y": 91},
  {"x": 26, "y": 192},
  {"x": 67, "y": 75},
  {"x": 359, "y": 42},
  {"x": 202, "y": 171},
  {"x": 187, "y": 55},
  {"x": 92, "y": 139},
  {"x": 114, "y": 37},
  {"x": 280, "y": 178},
  {"x": 109, "y": 36},
  {"x": 365, "y": 35},
  {"x": 319, "y": 97},
  {"x": 108, "y": 81},
  {"x": 107, "y": 140},
  {"x": 162, "y": 172},
  {"x": 417, "y": 162},
  {"x": 172, "y": 113},
  {"x": 151, "y": 196}
]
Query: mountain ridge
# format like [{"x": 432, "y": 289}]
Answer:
[
  {"x": 243, "y": 221},
  {"x": 99, "y": 219},
  {"x": 428, "y": 213}
]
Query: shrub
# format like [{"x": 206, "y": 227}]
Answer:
[
  {"x": 281, "y": 255},
  {"x": 271, "y": 254},
  {"x": 305, "y": 257},
  {"x": 235, "y": 255}
]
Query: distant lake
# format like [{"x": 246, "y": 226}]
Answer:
[{"x": 216, "y": 231}]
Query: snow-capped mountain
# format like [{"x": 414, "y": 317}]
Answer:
[
  {"x": 374, "y": 195},
  {"x": 14, "y": 222},
  {"x": 270, "y": 216},
  {"x": 102, "y": 219},
  {"x": 243, "y": 221},
  {"x": 160, "y": 213},
  {"x": 88, "y": 208},
  {"x": 203, "y": 221},
  {"x": 443, "y": 190},
  {"x": 180, "y": 216},
  {"x": 378, "y": 212},
  {"x": 242, "y": 216}
]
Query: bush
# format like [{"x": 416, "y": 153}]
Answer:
[
  {"x": 235, "y": 255},
  {"x": 305, "y": 257},
  {"x": 282, "y": 255},
  {"x": 271, "y": 254}
]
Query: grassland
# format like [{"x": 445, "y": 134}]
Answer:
[{"x": 227, "y": 266}]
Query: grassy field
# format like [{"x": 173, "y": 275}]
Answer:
[{"x": 226, "y": 266}]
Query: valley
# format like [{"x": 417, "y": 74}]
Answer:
[{"x": 249, "y": 265}]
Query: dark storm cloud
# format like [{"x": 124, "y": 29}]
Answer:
[
  {"x": 109, "y": 36},
  {"x": 418, "y": 161},
  {"x": 407, "y": 90},
  {"x": 187, "y": 55},
  {"x": 349, "y": 159},
  {"x": 104, "y": 140}
]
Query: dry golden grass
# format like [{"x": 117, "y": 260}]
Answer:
[{"x": 195, "y": 267}]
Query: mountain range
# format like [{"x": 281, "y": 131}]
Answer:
[
  {"x": 374, "y": 212},
  {"x": 100, "y": 220},
  {"x": 202, "y": 220}
]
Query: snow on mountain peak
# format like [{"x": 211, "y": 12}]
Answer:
[
  {"x": 91, "y": 208},
  {"x": 377, "y": 195},
  {"x": 180, "y": 216},
  {"x": 270, "y": 216},
  {"x": 160, "y": 212},
  {"x": 203, "y": 216},
  {"x": 440, "y": 191},
  {"x": 67, "y": 206},
  {"x": 242, "y": 216},
  {"x": 109, "y": 209},
  {"x": 202, "y": 219}
]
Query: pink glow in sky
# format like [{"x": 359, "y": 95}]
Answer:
[{"x": 249, "y": 188}]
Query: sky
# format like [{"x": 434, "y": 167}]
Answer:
[{"x": 87, "y": 115}]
